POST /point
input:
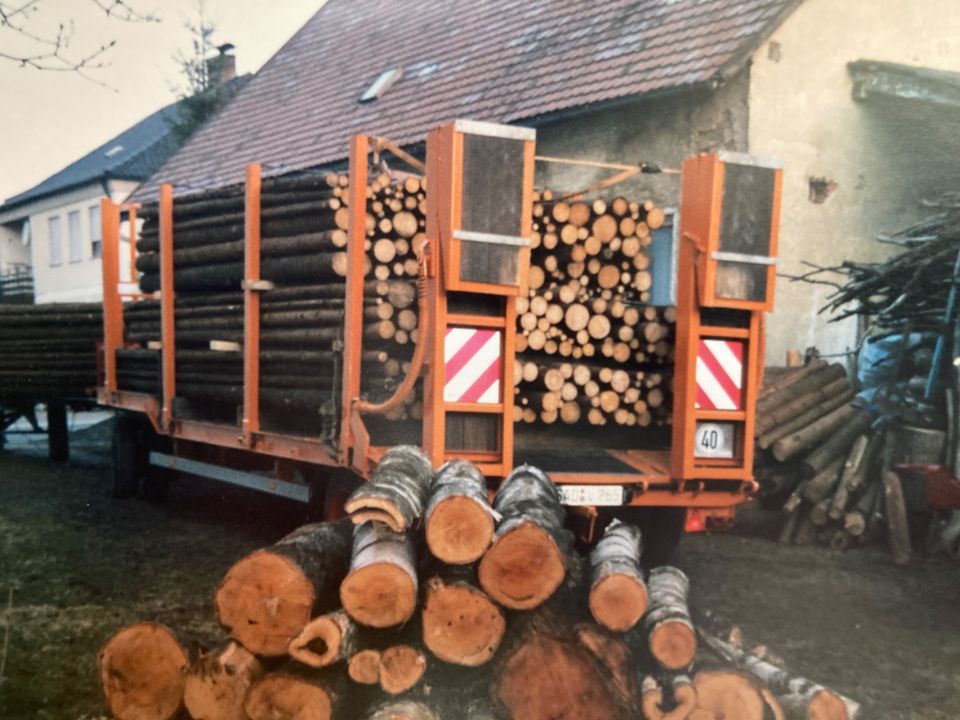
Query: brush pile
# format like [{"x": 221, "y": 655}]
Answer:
[{"x": 402, "y": 611}]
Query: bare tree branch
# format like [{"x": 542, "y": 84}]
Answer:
[{"x": 49, "y": 50}]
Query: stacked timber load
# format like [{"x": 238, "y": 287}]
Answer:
[
  {"x": 361, "y": 618},
  {"x": 824, "y": 463},
  {"x": 592, "y": 350},
  {"x": 303, "y": 259},
  {"x": 48, "y": 352}
]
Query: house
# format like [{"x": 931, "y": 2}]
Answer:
[
  {"x": 818, "y": 84},
  {"x": 54, "y": 227},
  {"x": 52, "y": 231}
]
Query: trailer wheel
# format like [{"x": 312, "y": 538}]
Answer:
[
  {"x": 663, "y": 530},
  {"x": 129, "y": 456}
]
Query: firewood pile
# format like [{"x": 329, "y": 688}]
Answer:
[
  {"x": 49, "y": 352},
  {"x": 592, "y": 350},
  {"x": 591, "y": 347},
  {"x": 821, "y": 458},
  {"x": 428, "y": 602}
]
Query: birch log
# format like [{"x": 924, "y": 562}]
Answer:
[
  {"x": 397, "y": 487},
  {"x": 618, "y": 595},
  {"x": 380, "y": 589},
  {"x": 458, "y": 522},
  {"x": 461, "y": 625},
  {"x": 667, "y": 625},
  {"x": 217, "y": 683},
  {"x": 325, "y": 640}
]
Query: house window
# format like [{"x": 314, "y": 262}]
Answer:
[
  {"x": 56, "y": 251},
  {"x": 96, "y": 232},
  {"x": 75, "y": 236}
]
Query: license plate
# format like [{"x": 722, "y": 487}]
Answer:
[{"x": 591, "y": 494}]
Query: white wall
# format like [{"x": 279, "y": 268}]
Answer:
[
  {"x": 80, "y": 279},
  {"x": 802, "y": 111}
]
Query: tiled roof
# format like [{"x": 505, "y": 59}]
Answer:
[
  {"x": 498, "y": 60},
  {"x": 134, "y": 154}
]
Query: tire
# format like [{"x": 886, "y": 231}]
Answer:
[{"x": 129, "y": 456}]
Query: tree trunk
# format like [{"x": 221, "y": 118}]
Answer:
[
  {"x": 296, "y": 692},
  {"x": 618, "y": 595},
  {"x": 364, "y": 667},
  {"x": 401, "y": 667},
  {"x": 458, "y": 522},
  {"x": 397, "y": 487},
  {"x": 898, "y": 531},
  {"x": 527, "y": 560},
  {"x": 325, "y": 640},
  {"x": 666, "y": 625},
  {"x": 732, "y": 694},
  {"x": 402, "y": 710},
  {"x": 268, "y": 597},
  {"x": 142, "y": 672},
  {"x": 381, "y": 588},
  {"x": 461, "y": 625},
  {"x": 217, "y": 683}
]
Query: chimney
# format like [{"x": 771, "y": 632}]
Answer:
[{"x": 222, "y": 68}]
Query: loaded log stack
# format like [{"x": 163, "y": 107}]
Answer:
[
  {"x": 303, "y": 231},
  {"x": 592, "y": 350},
  {"x": 360, "y": 618}
]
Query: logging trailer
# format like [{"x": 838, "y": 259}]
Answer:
[{"x": 473, "y": 268}]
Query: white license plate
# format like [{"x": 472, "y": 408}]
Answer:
[{"x": 591, "y": 494}]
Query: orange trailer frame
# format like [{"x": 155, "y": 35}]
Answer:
[{"x": 668, "y": 478}]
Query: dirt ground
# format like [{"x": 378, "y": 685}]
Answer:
[{"x": 76, "y": 565}]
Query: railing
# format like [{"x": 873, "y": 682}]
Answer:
[{"x": 16, "y": 285}]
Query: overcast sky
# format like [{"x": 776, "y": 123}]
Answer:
[{"x": 49, "y": 119}]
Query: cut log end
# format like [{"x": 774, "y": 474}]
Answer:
[
  {"x": 459, "y": 530},
  {"x": 364, "y": 667},
  {"x": 324, "y": 640},
  {"x": 673, "y": 644},
  {"x": 217, "y": 684},
  {"x": 401, "y": 667},
  {"x": 523, "y": 568},
  {"x": 461, "y": 625},
  {"x": 618, "y": 602},
  {"x": 283, "y": 696},
  {"x": 380, "y": 594},
  {"x": 264, "y": 601},
  {"x": 729, "y": 694},
  {"x": 142, "y": 671}
]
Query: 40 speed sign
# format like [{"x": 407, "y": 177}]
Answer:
[{"x": 714, "y": 440}]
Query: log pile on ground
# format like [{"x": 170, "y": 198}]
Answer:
[
  {"x": 328, "y": 623},
  {"x": 822, "y": 461},
  {"x": 48, "y": 352},
  {"x": 592, "y": 349}
]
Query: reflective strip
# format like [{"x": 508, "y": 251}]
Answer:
[
  {"x": 720, "y": 375},
  {"x": 472, "y": 365},
  {"x": 743, "y": 258},
  {"x": 491, "y": 238}
]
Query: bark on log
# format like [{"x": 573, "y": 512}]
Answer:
[
  {"x": 325, "y": 640},
  {"x": 398, "y": 487},
  {"x": 296, "y": 692},
  {"x": 402, "y": 710},
  {"x": 142, "y": 672},
  {"x": 458, "y": 521},
  {"x": 666, "y": 624},
  {"x": 461, "y": 625},
  {"x": 684, "y": 699},
  {"x": 527, "y": 560},
  {"x": 782, "y": 414},
  {"x": 268, "y": 597},
  {"x": 802, "y": 440},
  {"x": 898, "y": 530},
  {"x": 838, "y": 444},
  {"x": 381, "y": 588},
  {"x": 854, "y": 473},
  {"x": 802, "y": 387},
  {"x": 217, "y": 683},
  {"x": 618, "y": 595}
]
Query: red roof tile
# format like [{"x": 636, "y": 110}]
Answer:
[{"x": 499, "y": 60}]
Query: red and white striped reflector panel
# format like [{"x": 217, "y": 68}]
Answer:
[
  {"x": 720, "y": 375},
  {"x": 472, "y": 365}
]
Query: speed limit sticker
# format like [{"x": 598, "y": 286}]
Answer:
[{"x": 714, "y": 440}]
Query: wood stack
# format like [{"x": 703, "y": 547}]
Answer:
[
  {"x": 303, "y": 257},
  {"x": 329, "y": 622},
  {"x": 822, "y": 461},
  {"x": 592, "y": 349},
  {"x": 48, "y": 352}
]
